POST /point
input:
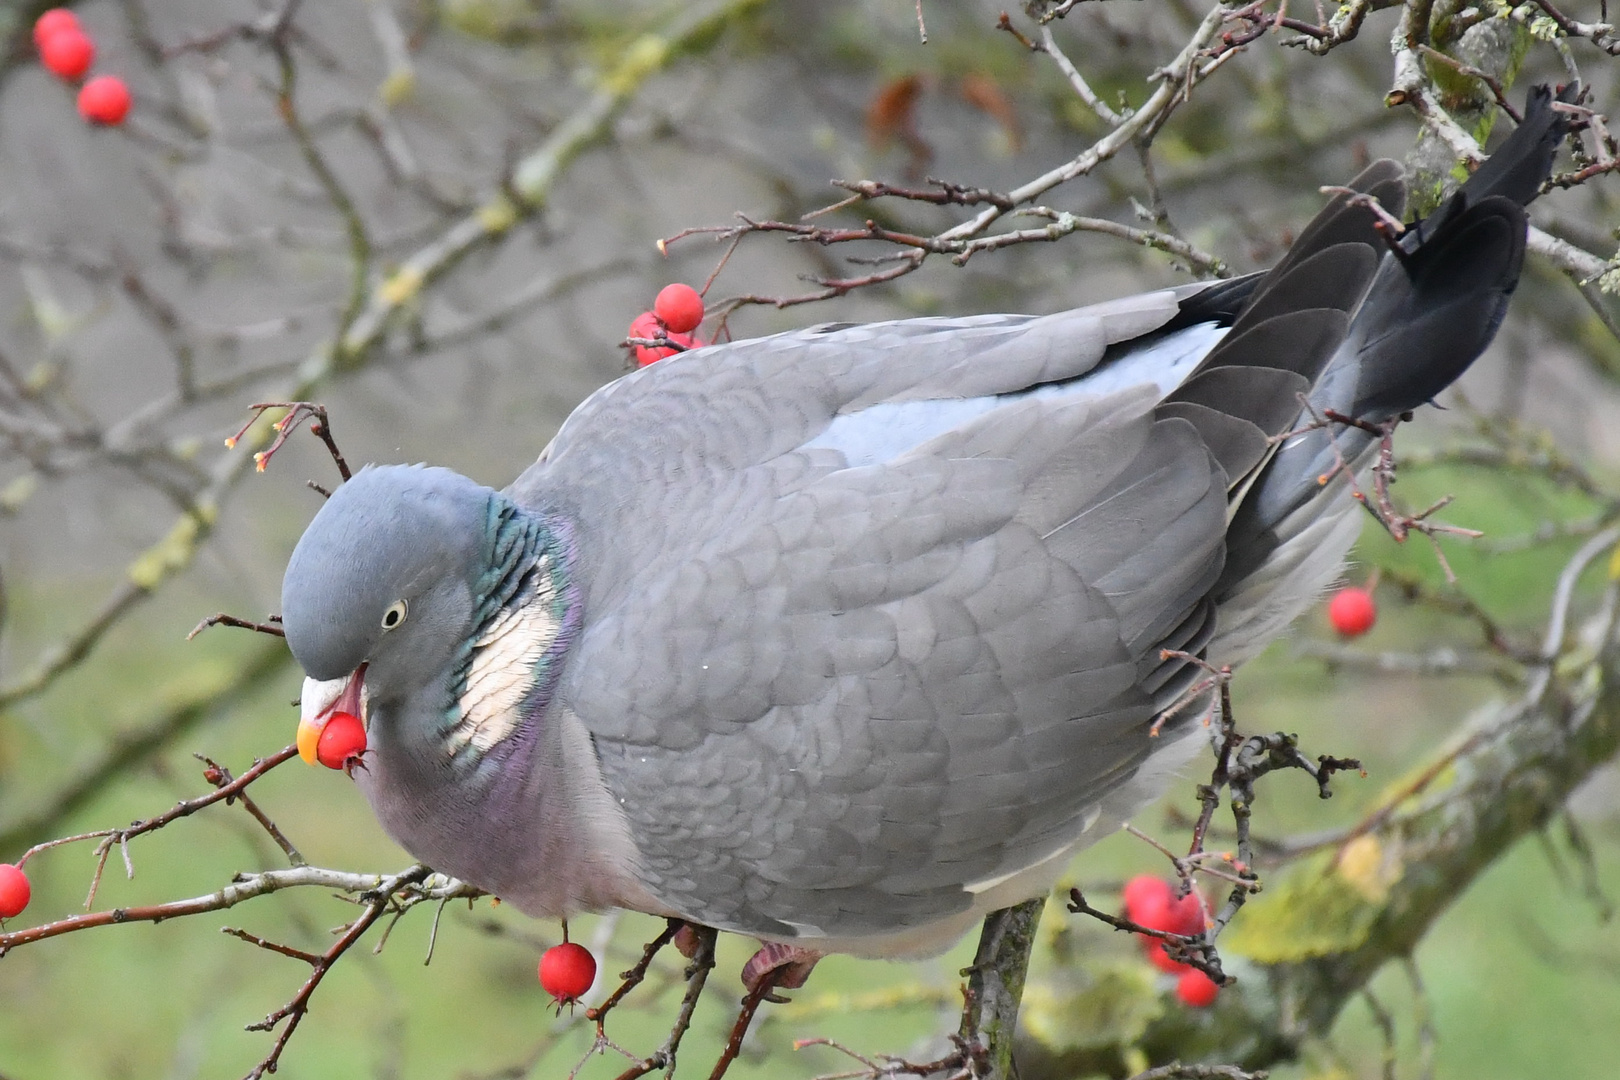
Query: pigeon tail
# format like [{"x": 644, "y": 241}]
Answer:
[{"x": 1439, "y": 295}]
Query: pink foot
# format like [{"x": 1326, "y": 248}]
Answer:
[
  {"x": 686, "y": 940},
  {"x": 777, "y": 966}
]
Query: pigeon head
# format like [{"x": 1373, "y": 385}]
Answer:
[{"x": 384, "y": 579}]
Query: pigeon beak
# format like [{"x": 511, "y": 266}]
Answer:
[{"x": 323, "y": 699}]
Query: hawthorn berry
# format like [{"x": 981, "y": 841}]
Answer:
[
  {"x": 1187, "y": 915},
  {"x": 1151, "y": 902},
  {"x": 342, "y": 741},
  {"x": 68, "y": 53},
  {"x": 104, "y": 100},
  {"x": 680, "y": 307},
  {"x": 52, "y": 22},
  {"x": 1180, "y": 917},
  {"x": 1145, "y": 893},
  {"x": 1196, "y": 989},
  {"x": 567, "y": 971},
  {"x": 648, "y": 325},
  {"x": 1352, "y": 611},
  {"x": 14, "y": 891}
]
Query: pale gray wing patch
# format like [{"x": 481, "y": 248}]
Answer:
[
  {"x": 883, "y": 431},
  {"x": 1162, "y": 360}
]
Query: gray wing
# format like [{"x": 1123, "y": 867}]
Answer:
[{"x": 831, "y": 696}]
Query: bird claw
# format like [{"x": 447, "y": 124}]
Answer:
[
  {"x": 688, "y": 941},
  {"x": 778, "y": 966}
]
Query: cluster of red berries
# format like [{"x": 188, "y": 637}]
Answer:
[
  {"x": 676, "y": 313},
  {"x": 1352, "y": 611},
  {"x": 567, "y": 972},
  {"x": 67, "y": 52},
  {"x": 342, "y": 741},
  {"x": 14, "y": 891},
  {"x": 1152, "y": 902}
]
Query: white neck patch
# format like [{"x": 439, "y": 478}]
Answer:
[{"x": 502, "y": 669}]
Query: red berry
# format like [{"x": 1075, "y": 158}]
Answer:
[
  {"x": 52, "y": 22},
  {"x": 1153, "y": 949},
  {"x": 680, "y": 307},
  {"x": 1156, "y": 907},
  {"x": 68, "y": 53},
  {"x": 567, "y": 971},
  {"x": 343, "y": 740},
  {"x": 104, "y": 100},
  {"x": 1144, "y": 894},
  {"x": 1151, "y": 902},
  {"x": 1186, "y": 916},
  {"x": 14, "y": 891},
  {"x": 1196, "y": 989},
  {"x": 1352, "y": 611},
  {"x": 647, "y": 325}
]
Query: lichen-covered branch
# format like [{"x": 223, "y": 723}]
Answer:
[{"x": 996, "y": 987}]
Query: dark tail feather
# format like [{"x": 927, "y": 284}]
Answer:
[
  {"x": 1518, "y": 167},
  {"x": 1287, "y": 325},
  {"x": 1430, "y": 315},
  {"x": 1433, "y": 307}
]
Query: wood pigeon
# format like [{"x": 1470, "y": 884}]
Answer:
[{"x": 843, "y": 638}]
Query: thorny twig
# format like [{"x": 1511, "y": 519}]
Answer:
[
  {"x": 378, "y": 895},
  {"x": 697, "y": 977},
  {"x": 224, "y": 791},
  {"x": 220, "y": 777},
  {"x": 965, "y": 1061},
  {"x": 272, "y": 627},
  {"x": 375, "y": 903},
  {"x": 242, "y": 888},
  {"x": 961, "y": 241},
  {"x": 320, "y": 425},
  {"x": 745, "y": 1017},
  {"x": 633, "y": 978},
  {"x": 1380, "y": 504},
  {"x": 1240, "y": 761}
]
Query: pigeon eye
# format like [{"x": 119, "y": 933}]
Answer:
[{"x": 394, "y": 615}]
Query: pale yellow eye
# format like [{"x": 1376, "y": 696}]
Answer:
[{"x": 394, "y": 615}]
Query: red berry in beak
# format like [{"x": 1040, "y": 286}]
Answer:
[{"x": 343, "y": 740}]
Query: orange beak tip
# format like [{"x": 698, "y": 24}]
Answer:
[{"x": 309, "y": 736}]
